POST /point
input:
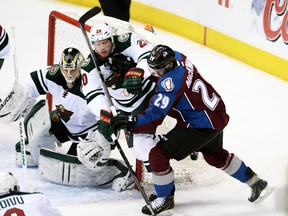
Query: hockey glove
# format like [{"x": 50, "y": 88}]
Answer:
[
  {"x": 133, "y": 81},
  {"x": 94, "y": 151},
  {"x": 122, "y": 122},
  {"x": 121, "y": 63},
  {"x": 104, "y": 124}
]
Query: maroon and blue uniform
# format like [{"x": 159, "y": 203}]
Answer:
[
  {"x": 186, "y": 96},
  {"x": 201, "y": 117}
]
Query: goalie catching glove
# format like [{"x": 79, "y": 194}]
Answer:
[
  {"x": 133, "y": 81},
  {"x": 94, "y": 151}
]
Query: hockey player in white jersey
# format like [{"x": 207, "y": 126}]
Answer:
[
  {"x": 130, "y": 88},
  {"x": 70, "y": 122},
  {"x": 5, "y": 45},
  {"x": 15, "y": 202}
]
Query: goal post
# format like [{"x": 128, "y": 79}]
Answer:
[{"x": 64, "y": 31}]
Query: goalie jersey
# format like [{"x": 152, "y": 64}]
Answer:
[
  {"x": 20, "y": 203},
  {"x": 4, "y": 43},
  {"x": 134, "y": 48},
  {"x": 70, "y": 104}
]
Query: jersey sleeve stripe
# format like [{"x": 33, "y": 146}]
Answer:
[
  {"x": 144, "y": 56},
  {"x": 4, "y": 41},
  {"x": 93, "y": 94},
  {"x": 39, "y": 84}
]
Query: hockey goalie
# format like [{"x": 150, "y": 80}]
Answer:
[{"x": 86, "y": 161}]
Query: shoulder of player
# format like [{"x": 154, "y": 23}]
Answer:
[
  {"x": 173, "y": 80},
  {"x": 122, "y": 42},
  {"x": 89, "y": 65},
  {"x": 53, "y": 72}
]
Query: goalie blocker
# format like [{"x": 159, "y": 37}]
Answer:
[{"x": 68, "y": 170}]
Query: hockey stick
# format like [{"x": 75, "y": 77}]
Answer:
[
  {"x": 83, "y": 19},
  {"x": 27, "y": 185}
]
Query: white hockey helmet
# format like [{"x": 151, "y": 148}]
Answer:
[
  {"x": 8, "y": 183},
  {"x": 70, "y": 64},
  {"x": 100, "y": 32}
]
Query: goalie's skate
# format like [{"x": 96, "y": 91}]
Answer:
[{"x": 160, "y": 206}]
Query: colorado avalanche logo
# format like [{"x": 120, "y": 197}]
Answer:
[{"x": 167, "y": 84}]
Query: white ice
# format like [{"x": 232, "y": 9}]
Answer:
[{"x": 257, "y": 131}]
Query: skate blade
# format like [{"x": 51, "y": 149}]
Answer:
[
  {"x": 265, "y": 193},
  {"x": 165, "y": 213}
]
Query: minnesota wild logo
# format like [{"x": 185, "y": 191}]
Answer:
[{"x": 64, "y": 114}]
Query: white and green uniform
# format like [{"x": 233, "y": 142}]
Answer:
[
  {"x": 20, "y": 203},
  {"x": 73, "y": 112},
  {"x": 130, "y": 45},
  {"x": 71, "y": 107}
]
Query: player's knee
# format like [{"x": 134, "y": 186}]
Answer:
[
  {"x": 159, "y": 161},
  {"x": 218, "y": 160}
]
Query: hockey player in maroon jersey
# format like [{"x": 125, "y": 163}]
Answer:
[
  {"x": 4, "y": 45},
  {"x": 201, "y": 118},
  {"x": 15, "y": 202}
]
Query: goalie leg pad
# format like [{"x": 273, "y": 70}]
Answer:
[
  {"x": 67, "y": 170},
  {"x": 37, "y": 122},
  {"x": 125, "y": 182},
  {"x": 29, "y": 160}
]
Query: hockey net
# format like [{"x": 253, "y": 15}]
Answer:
[{"x": 64, "y": 31}]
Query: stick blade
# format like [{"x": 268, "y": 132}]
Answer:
[{"x": 88, "y": 15}]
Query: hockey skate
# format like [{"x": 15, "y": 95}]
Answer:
[
  {"x": 259, "y": 188},
  {"x": 160, "y": 206},
  {"x": 153, "y": 196}
]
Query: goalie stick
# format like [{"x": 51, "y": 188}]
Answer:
[
  {"x": 83, "y": 19},
  {"x": 27, "y": 184}
]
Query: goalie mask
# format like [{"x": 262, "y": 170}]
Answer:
[
  {"x": 161, "y": 59},
  {"x": 8, "y": 183},
  {"x": 70, "y": 64}
]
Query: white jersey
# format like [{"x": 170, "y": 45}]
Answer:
[
  {"x": 4, "y": 43},
  {"x": 130, "y": 45},
  {"x": 26, "y": 204},
  {"x": 70, "y": 103}
]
